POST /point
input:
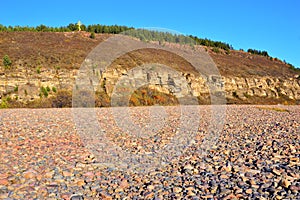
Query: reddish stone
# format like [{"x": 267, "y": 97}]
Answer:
[
  {"x": 29, "y": 174},
  {"x": 89, "y": 174},
  {"x": 3, "y": 176},
  {"x": 4, "y": 182},
  {"x": 230, "y": 196},
  {"x": 124, "y": 184},
  {"x": 66, "y": 196}
]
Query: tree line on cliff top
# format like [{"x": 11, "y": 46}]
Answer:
[{"x": 143, "y": 34}]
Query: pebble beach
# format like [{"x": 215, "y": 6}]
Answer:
[{"x": 256, "y": 156}]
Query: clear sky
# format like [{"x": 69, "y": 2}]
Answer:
[{"x": 272, "y": 25}]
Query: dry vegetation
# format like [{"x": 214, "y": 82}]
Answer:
[{"x": 68, "y": 50}]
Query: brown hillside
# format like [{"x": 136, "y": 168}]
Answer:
[
  {"x": 244, "y": 64},
  {"x": 68, "y": 50}
]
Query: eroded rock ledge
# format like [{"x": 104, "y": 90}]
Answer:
[{"x": 26, "y": 86}]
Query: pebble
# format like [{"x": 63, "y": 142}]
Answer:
[
  {"x": 80, "y": 182},
  {"x": 4, "y": 182},
  {"x": 285, "y": 183},
  {"x": 150, "y": 187},
  {"x": 249, "y": 191},
  {"x": 224, "y": 176},
  {"x": 188, "y": 167},
  {"x": 277, "y": 172},
  {"x": 29, "y": 174},
  {"x": 49, "y": 174},
  {"x": 177, "y": 189},
  {"x": 76, "y": 197},
  {"x": 66, "y": 173}
]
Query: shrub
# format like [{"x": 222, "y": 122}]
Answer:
[
  {"x": 102, "y": 99},
  {"x": 54, "y": 89},
  {"x": 38, "y": 70},
  {"x": 247, "y": 95},
  {"x": 4, "y": 104},
  {"x": 43, "y": 92},
  {"x": 6, "y": 62},
  {"x": 48, "y": 89},
  {"x": 216, "y": 50},
  {"x": 92, "y": 35},
  {"x": 16, "y": 89},
  {"x": 227, "y": 51},
  {"x": 63, "y": 99},
  {"x": 147, "y": 97}
]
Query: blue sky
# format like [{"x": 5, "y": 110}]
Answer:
[{"x": 265, "y": 25}]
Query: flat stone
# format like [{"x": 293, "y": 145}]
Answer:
[
  {"x": 117, "y": 190},
  {"x": 277, "y": 172},
  {"x": 4, "y": 182},
  {"x": 285, "y": 183},
  {"x": 230, "y": 196},
  {"x": 76, "y": 197},
  {"x": 29, "y": 174},
  {"x": 49, "y": 175},
  {"x": 149, "y": 195},
  {"x": 66, "y": 196},
  {"x": 3, "y": 176},
  {"x": 80, "y": 182},
  {"x": 66, "y": 173},
  {"x": 124, "y": 184},
  {"x": 207, "y": 197},
  {"x": 224, "y": 176},
  {"x": 188, "y": 167},
  {"x": 105, "y": 196},
  {"x": 177, "y": 189},
  {"x": 249, "y": 191},
  {"x": 294, "y": 188},
  {"x": 150, "y": 187},
  {"x": 227, "y": 168}
]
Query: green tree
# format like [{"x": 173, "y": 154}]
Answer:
[
  {"x": 72, "y": 27},
  {"x": 42, "y": 28}
]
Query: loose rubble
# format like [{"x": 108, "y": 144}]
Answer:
[{"x": 257, "y": 156}]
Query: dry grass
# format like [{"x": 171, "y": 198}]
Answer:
[
  {"x": 68, "y": 50},
  {"x": 274, "y": 109}
]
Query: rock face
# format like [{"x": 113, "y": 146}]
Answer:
[
  {"x": 182, "y": 84},
  {"x": 263, "y": 87},
  {"x": 235, "y": 87},
  {"x": 25, "y": 85}
]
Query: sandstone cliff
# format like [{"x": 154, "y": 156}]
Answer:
[{"x": 245, "y": 78}]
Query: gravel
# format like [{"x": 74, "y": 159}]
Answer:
[{"x": 257, "y": 156}]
